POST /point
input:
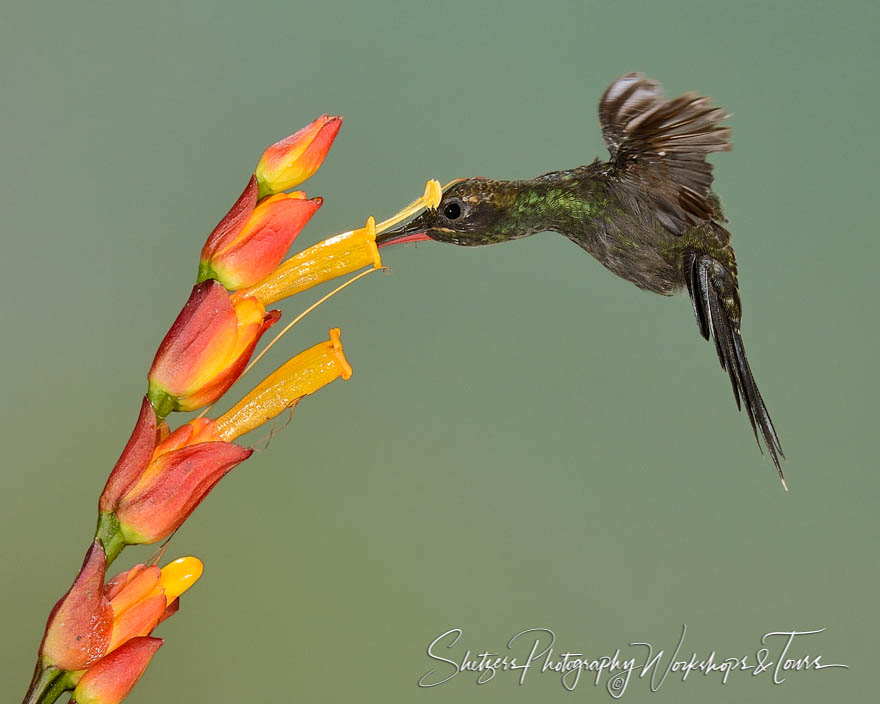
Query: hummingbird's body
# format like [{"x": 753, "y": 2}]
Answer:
[
  {"x": 613, "y": 222},
  {"x": 648, "y": 214}
]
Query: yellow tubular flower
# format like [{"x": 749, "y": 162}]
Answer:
[
  {"x": 304, "y": 374},
  {"x": 335, "y": 256},
  {"x": 326, "y": 260}
]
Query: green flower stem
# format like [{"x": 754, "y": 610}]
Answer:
[
  {"x": 206, "y": 271},
  {"x": 48, "y": 684},
  {"x": 110, "y": 534},
  {"x": 264, "y": 190},
  {"x": 163, "y": 403}
]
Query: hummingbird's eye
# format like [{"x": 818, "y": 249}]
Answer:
[{"x": 452, "y": 210}]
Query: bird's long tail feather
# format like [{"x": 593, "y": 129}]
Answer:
[{"x": 716, "y": 307}]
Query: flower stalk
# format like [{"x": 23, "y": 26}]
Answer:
[{"x": 98, "y": 637}]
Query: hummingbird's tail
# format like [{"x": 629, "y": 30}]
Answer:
[{"x": 715, "y": 299}]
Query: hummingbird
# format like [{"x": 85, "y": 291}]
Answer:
[{"x": 647, "y": 213}]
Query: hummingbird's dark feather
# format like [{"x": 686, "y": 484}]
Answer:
[
  {"x": 715, "y": 300},
  {"x": 662, "y": 144}
]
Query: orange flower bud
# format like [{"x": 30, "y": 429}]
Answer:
[
  {"x": 242, "y": 251},
  {"x": 111, "y": 679},
  {"x": 141, "y": 596},
  {"x": 184, "y": 469},
  {"x": 304, "y": 374},
  {"x": 206, "y": 349},
  {"x": 292, "y": 160}
]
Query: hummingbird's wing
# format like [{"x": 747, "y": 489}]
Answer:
[
  {"x": 662, "y": 144},
  {"x": 716, "y": 304}
]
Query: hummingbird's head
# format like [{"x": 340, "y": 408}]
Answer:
[{"x": 471, "y": 212}]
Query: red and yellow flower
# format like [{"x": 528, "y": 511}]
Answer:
[
  {"x": 144, "y": 596},
  {"x": 252, "y": 239},
  {"x": 206, "y": 349},
  {"x": 97, "y": 640},
  {"x": 158, "y": 482},
  {"x": 93, "y": 619},
  {"x": 180, "y": 473}
]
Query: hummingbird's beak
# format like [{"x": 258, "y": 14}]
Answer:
[
  {"x": 400, "y": 235},
  {"x": 415, "y": 230}
]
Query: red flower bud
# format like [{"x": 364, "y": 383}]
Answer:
[
  {"x": 134, "y": 459},
  {"x": 206, "y": 349},
  {"x": 238, "y": 215},
  {"x": 79, "y": 627}
]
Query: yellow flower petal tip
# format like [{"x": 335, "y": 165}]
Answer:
[
  {"x": 373, "y": 249},
  {"x": 336, "y": 343},
  {"x": 180, "y": 575}
]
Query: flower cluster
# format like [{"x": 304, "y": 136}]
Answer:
[{"x": 98, "y": 639}]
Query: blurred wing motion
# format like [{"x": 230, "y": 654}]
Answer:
[
  {"x": 716, "y": 304},
  {"x": 662, "y": 144}
]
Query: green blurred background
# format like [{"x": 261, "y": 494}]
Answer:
[{"x": 527, "y": 441}]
